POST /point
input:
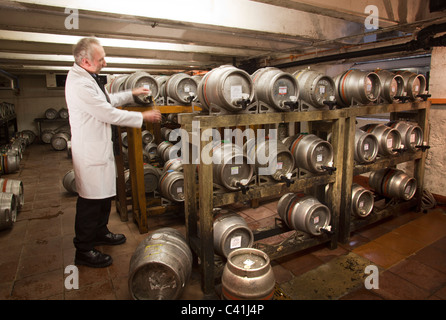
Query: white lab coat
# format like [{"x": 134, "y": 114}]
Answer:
[{"x": 90, "y": 118}]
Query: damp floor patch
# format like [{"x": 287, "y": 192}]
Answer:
[{"x": 329, "y": 281}]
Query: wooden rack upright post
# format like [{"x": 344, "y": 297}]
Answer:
[{"x": 136, "y": 167}]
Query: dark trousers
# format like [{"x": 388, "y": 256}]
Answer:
[{"x": 91, "y": 221}]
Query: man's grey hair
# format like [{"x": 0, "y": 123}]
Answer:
[{"x": 84, "y": 49}]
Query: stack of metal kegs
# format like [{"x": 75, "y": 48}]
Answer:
[
  {"x": 135, "y": 80},
  {"x": 228, "y": 90},
  {"x": 163, "y": 176},
  {"x": 12, "y": 153},
  {"x": 376, "y": 140},
  {"x": 391, "y": 139},
  {"x": 59, "y": 137},
  {"x": 11, "y": 188},
  {"x": 356, "y": 87}
]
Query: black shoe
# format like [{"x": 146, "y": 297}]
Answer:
[
  {"x": 111, "y": 239},
  {"x": 92, "y": 258}
]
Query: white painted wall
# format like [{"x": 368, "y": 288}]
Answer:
[
  {"x": 435, "y": 177},
  {"x": 32, "y": 101}
]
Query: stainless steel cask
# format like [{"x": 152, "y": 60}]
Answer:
[
  {"x": 304, "y": 212},
  {"x": 389, "y": 139},
  {"x": 160, "y": 267},
  {"x": 411, "y": 133},
  {"x": 315, "y": 87},
  {"x": 362, "y": 201},
  {"x": 230, "y": 232},
  {"x": 248, "y": 275},
  {"x": 226, "y": 87},
  {"x": 357, "y": 87},
  {"x": 275, "y": 87},
  {"x": 392, "y": 85},
  {"x": 366, "y": 146},
  {"x": 393, "y": 183},
  {"x": 311, "y": 152},
  {"x": 231, "y": 168}
]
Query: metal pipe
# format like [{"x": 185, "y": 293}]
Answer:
[{"x": 424, "y": 41}]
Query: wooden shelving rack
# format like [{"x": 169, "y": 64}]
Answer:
[
  {"x": 139, "y": 201},
  {"x": 417, "y": 111},
  {"x": 200, "y": 198}
]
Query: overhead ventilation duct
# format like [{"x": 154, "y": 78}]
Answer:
[{"x": 424, "y": 40}]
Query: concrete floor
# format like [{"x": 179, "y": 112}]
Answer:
[{"x": 409, "y": 250}]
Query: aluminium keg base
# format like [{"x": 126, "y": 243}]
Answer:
[
  {"x": 269, "y": 180},
  {"x": 217, "y": 110},
  {"x": 305, "y": 106},
  {"x": 219, "y": 189},
  {"x": 172, "y": 102},
  {"x": 263, "y": 107}
]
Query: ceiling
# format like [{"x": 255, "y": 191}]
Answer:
[{"x": 169, "y": 36}]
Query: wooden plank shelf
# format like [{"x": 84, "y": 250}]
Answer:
[
  {"x": 386, "y": 162},
  {"x": 258, "y": 192},
  {"x": 391, "y": 210},
  {"x": 198, "y": 214}
]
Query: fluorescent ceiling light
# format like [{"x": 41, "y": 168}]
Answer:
[
  {"x": 109, "y": 60},
  {"x": 104, "y": 70},
  {"x": 122, "y": 43}
]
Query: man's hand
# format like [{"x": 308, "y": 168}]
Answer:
[
  {"x": 151, "y": 116},
  {"x": 141, "y": 90}
]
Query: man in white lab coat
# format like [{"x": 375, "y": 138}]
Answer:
[{"x": 92, "y": 111}]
